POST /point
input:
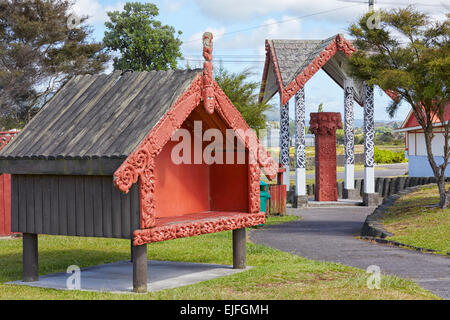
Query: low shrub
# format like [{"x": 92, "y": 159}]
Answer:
[{"x": 388, "y": 156}]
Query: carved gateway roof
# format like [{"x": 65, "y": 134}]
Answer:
[{"x": 291, "y": 63}]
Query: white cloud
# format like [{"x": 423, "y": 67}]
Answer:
[
  {"x": 286, "y": 28},
  {"x": 238, "y": 10},
  {"x": 172, "y": 6},
  {"x": 95, "y": 10}
]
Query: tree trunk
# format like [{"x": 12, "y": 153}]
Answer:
[
  {"x": 444, "y": 197},
  {"x": 439, "y": 171}
]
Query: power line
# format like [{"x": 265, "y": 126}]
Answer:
[
  {"x": 226, "y": 61},
  {"x": 278, "y": 22},
  {"x": 396, "y": 3}
]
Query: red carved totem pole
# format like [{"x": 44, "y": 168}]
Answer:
[{"x": 324, "y": 125}]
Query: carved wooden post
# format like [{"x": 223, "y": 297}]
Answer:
[
  {"x": 349, "y": 191},
  {"x": 239, "y": 249},
  {"x": 300, "y": 156},
  {"x": 323, "y": 125},
  {"x": 140, "y": 268},
  {"x": 30, "y": 257},
  {"x": 370, "y": 198},
  {"x": 284, "y": 141}
]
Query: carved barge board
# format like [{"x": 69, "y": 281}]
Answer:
[
  {"x": 86, "y": 206},
  {"x": 197, "y": 224}
]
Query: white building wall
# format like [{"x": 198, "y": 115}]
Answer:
[
  {"x": 417, "y": 146},
  {"x": 418, "y": 164},
  {"x": 412, "y": 144}
]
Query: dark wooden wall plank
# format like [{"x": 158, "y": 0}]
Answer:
[
  {"x": 46, "y": 205},
  {"x": 88, "y": 207},
  {"x": 97, "y": 207},
  {"x": 38, "y": 212},
  {"x": 79, "y": 204},
  {"x": 54, "y": 205},
  {"x": 106, "y": 205},
  {"x": 14, "y": 204},
  {"x": 116, "y": 212},
  {"x": 22, "y": 203},
  {"x": 71, "y": 202},
  {"x": 29, "y": 180},
  {"x": 62, "y": 205}
]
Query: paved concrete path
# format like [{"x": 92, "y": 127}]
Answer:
[
  {"x": 117, "y": 277},
  {"x": 328, "y": 234}
]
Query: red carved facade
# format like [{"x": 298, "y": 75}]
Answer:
[
  {"x": 324, "y": 125},
  {"x": 140, "y": 164}
]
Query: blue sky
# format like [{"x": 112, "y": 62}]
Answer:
[{"x": 241, "y": 26}]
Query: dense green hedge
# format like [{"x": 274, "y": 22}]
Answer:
[{"x": 388, "y": 156}]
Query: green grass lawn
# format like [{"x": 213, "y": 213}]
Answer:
[
  {"x": 275, "y": 274},
  {"x": 415, "y": 220}
]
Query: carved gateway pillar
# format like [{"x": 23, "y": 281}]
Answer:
[
  {"x": 300, "y": 156},
  {"x": 284, "y": 141},
  {"x": 370, "y": 198},
  {"x": 324, "y": 125},
  {"x": 349, "y": 141}
]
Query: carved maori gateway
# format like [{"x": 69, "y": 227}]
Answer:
[
  {"x": 289, "y": 65},
  {"x": 324, "y": 125},
  {"x": 96, "y": 161}
]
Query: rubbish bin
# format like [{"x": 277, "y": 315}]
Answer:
[{"x": 264, "y": 196}]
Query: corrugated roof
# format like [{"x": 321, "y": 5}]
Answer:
[{"x": 100, "y": 116}]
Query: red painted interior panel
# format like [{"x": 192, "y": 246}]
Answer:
[
  {"x": 180, "y": 189},
  {"x": 229, "y": 187}
]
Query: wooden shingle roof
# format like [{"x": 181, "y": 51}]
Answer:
[
  {"x": 295, "y": 55},
  {"x": 100, "y": 116}
]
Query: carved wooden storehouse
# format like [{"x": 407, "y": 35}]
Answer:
[{"x": 96, "y": 162}]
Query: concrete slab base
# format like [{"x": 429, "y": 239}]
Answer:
[
  {"x": 300, "y": 201},
  {"x": 371, "y": 199},
  {"x": 117, "y": 277},
  {"x": 352, "y": 194}
]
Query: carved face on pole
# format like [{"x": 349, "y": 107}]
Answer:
[
  {"x": 207, "y": 46},
  {"x": 208, "y": 93}
]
